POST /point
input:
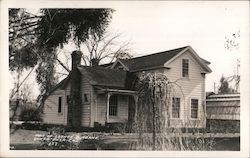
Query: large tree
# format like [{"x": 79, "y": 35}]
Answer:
[
  {"x": 153, "y": 124},
  {"x": 104, "y": 49},
  {"x": 34, "y": 38},
  {"x": 224, "y": 86}
]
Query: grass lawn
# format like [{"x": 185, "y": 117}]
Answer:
[{"x": 24, "y": 140}]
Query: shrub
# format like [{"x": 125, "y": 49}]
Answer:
[{"x": 30, "y": 114}]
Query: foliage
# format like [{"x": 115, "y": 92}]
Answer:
[
  {"x": 151, "y": 112},
  {"x": 30, "y": 114},
  {"x": 57, "y": 26},
  {"x": 223, "y": 126},
  {"x": 46, "y": 75},
  {"x": 152, "y": 118},
  {"x": 20, "y": 100},
  {"x": 224, "y": 86},
  {"x": 34, "y": 38},
  {"x": 30, "y": 35},
  {"x": 21, "y": 39},
  {"x": 104, "y": 49},
  {"x": 232, "y": 41}
]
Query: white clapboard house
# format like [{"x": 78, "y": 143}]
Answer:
[{"x": 105, "y": 94}]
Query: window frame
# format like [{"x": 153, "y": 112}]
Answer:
[
  {"x": 68, "y": 99},
  {"x": 192, "y": 108},
  {"x": 86, "y": 95},
  {"x": 185, "y": 69},
  {"x": 59, "y": 107},
  {"x": 113, "y": 105},
  {"x": 173, "y": 109}
]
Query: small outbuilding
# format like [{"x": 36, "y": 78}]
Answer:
[{"x": 223, "y": 112}]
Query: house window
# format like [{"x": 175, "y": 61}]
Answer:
[
  {"x": 86, "y": 98},
  {"x": 176, "y": 108},
  {"x": 68, "y": 99},
  {"x": 120, "y": 67},
  {"x": 185, "y": 67},
  {"x": 194, "y": 108},
  {"x": 113, "y": 104},
  {"x": 59, "y": 104}
]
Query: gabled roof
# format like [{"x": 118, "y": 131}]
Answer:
[
  {"x": 157, "y": 60},
  {"x": 223, "y": 97},
  {"x": 104, "y": 77},
  {"x": 150, "y": 61},
  {"x": 100, "y": 76},
  {"x": 62, "y": 84}
]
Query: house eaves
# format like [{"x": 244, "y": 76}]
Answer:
[
  {"x": 203, "y": 63},
  {"x": 148, "y": 62}
]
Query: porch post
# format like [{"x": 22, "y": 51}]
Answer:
[
  {"x": 136, "y": 102},
  {"x": 107, "y": 112}
]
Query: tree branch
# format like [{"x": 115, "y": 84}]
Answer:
[{"x": 62, "y": 65}]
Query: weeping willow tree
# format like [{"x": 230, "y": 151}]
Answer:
[
  {"x": 152, "y": 113},
  {"x": 153, "y": 119}
]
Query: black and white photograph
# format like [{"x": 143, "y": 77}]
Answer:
[{"x": 128, "y": 76}]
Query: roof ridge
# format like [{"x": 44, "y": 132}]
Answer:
[
  {"x": 155, "y": 53},
  {"x": 100, "y": 68}
]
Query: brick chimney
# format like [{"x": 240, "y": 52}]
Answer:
[
  {"x": 76, "y": 58},
  {"x": 75, "y": 104},
  {"x": 94, "y": 62}
]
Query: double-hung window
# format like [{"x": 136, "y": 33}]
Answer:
[
  {"x": 194, "y": 108},
  {"x": 59, "y": 104},
  {"x": 185, "y": 67},
  {"x": 176, "y": 108},
  {"x": 113, "y": 105},
  {"x": 86, "y": 98}
]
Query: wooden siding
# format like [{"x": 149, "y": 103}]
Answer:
[
  {"x": 189, "y": 88},
  {"x": 51, "y": 104},
  {"x": 86, "y": 111},
  {"x": 86, "y": 107},
  {"x": 101, "y": 104},
  {"x": 51, "y": 115},
  {"x": 223, "y": 107},
  {"x": 101, "y": 109}
]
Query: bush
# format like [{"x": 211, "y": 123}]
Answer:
[
  {"x": 223, "y": 126},
  {"x": 108, "y": 128},
  {"x": 30, "y": 114}
]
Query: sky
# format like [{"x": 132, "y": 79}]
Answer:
[
  {"x": 155, "y": 27},
  {"x": 152, "y": 27}
]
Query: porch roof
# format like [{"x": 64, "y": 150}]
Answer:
[{"x": 102, "y": 89}]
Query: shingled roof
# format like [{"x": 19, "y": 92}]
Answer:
[
  {"x": 152, "y": 60},
  {"x": 157, "y": 60},
  {"x": 100, "y": 76},
  {"x": 104, "y": 77}
]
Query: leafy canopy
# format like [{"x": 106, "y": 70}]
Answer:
[
  {"x": 32, "y": 35},
  {"x": 34, "y": 38}
]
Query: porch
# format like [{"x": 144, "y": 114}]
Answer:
[{"x": 115, "y": 105}]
